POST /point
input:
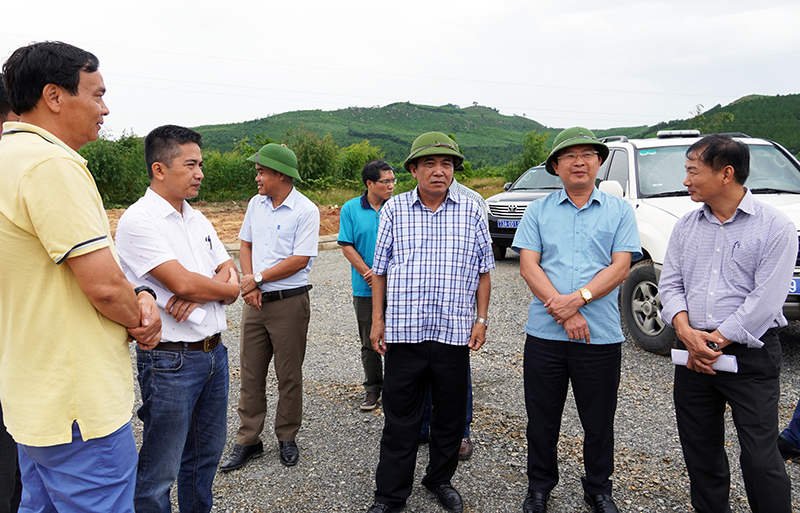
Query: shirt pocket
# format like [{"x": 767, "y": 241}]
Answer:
[
  {"x": 600, "y": 246},
  {"x": 741, "y": 268},
  {"x": 285, "y": 242}
]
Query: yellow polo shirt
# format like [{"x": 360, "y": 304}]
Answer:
[{"x": 60, "y": 359}]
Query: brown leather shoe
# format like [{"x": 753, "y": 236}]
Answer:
[
  {"x": 465, "y": 451},
  {"x": 370, "y": 401}
]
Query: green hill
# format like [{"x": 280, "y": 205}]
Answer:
[
  {"x": 487, "y": 137},
  {"x": 490, "y": 138}
]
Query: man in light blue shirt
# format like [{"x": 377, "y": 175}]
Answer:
[
  {"x": 358, "y": 229},
  {"x": 725, "y": 278},
  {"x": 576, "y": 246},
  {"x": 280, "y": 235}
]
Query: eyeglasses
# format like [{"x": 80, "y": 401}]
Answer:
[
  {"x": 569, "y": 158},
  {"x": 391, "y": 181}
]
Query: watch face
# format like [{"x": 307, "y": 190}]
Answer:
[{"x": 258, "y": 278}]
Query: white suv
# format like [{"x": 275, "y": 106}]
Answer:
[{"x": 649, "y": 173}]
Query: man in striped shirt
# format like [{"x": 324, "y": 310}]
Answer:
[
  {"x": 723, "y": 285},
  {"x": 432, "y": 263}
]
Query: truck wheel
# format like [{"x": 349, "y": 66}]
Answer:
[
  {"x": 499, "y": 251},
  {"x": 641, "y": 309}
]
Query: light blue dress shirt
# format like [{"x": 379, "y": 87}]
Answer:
[{"x": 575, "y": 244}]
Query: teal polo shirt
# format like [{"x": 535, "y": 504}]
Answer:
[
  {"x": 575, "y": 244},
  {"x": 358, "y": 227}
]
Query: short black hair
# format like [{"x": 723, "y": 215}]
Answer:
[
  {"x": 720, "y": 150},
  {"x": 5, "y": 107},
  {"x": 162, "y": 144},
  {"x": 372, "y": 170},
  {"x": 32, "y": 67}
]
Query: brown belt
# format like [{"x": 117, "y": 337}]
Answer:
[{"x": 205, "y": 345}]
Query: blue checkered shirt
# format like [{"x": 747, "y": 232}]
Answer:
[
  {"x": 731, "y": 276},
  {"x": 432, "y": 262}
]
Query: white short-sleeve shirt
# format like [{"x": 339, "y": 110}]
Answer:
[
  {"x": 278, "y": 233},
  {"x": 152, "y": 232}
]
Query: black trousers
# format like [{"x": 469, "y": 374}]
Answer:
[
  {"x": 753, "y": 395},
  {"x": 593, "y": 370},
  {"x": 410, "y": 370}
]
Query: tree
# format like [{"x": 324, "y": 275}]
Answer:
[
  {"x": 350, "y": 161},
  {"x": 316, "y": 158},
  {"x": 534, "y": 151},
  {"x": 118, "y": 168}
]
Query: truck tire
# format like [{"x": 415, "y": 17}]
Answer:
[
  {"x": 499, "y": 251},
  {"x": 640, "y": 305}
]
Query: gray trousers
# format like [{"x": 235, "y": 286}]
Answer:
[{"x": 370, "y": 360}]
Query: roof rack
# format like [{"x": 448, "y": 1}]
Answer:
[
  {"x": 666, "y": 134},
  {"x": 735, "y": 134},
  {"x": 609, "y": 138}
]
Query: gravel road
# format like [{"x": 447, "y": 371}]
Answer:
[{"x": 339, "y": 443}]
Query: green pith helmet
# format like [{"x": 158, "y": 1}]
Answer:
[
  {"x": 573, "y": 137},
  {"x": 435, "y": 143},
  {"x": 277, "y": 157}
]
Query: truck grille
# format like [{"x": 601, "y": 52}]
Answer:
[{"x": 507, "y": 210}]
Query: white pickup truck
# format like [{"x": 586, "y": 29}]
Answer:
[{"x": 649, "y": 173}]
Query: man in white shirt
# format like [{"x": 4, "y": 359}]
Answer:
[
  {"x": 280, "y": 235},
  {"x": 166, "y": 244}
]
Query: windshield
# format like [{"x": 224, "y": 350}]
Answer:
[
  {"x": 662, "y": 171},
  {"x": 537, "y": 178}
]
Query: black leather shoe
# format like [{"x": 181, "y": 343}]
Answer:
[
  {"x": 535, "y": 502},
  {"x": 241, "y": 455},
  {"x": 788, "y": 451},
  {"x": 448, "y": 497},
  {"x": 379, "y": 507},
  {"x": 600, "y": 503},
  {"x": 289, "y": 453}
]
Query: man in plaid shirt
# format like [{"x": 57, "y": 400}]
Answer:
[{"x": 432, "y": 261}]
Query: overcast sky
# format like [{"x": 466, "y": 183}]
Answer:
[{"x": 591, "y": 63}]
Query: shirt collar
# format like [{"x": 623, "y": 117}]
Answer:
[
  {"x": 365, "y": 202},
  {"x": 596, "y": 196},
  {"x": 13, "y": 127},
  {"x": 289, "y": 202},
  {"x": 747, "y": 206},
  {"x": 164, "y": 208},
  {"x": 451, "y": 197}
]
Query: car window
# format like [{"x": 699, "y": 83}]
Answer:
[
  {"x": 619, "y": 169},
  {"x": 537, "y": 178},
  {"x": 771, "y": 169},
  {"x": 661, "y": 170}
]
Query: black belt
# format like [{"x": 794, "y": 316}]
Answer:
[
  {"x": 205, "y": 345},
  {"x": 277, "y": 295}
]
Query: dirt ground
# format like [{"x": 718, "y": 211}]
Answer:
[{"x": 227, "y": 218}]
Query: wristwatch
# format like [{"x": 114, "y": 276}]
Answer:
[
  {"x": 482, "y": 321},
  {"x": 258, "y": 278},
  {"x": 586, "y": 295},
  {"x": 145, "y": 288}
]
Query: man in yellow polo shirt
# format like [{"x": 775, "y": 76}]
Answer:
[{"x": 66, "y": 381}]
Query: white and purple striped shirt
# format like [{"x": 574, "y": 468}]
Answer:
[
  {"x": 731, "y": 276},
  {"x": 432, "y": 261}
]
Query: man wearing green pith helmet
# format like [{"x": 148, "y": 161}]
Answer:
[
  {"x": 280, "y": 234},
  {"x": 576, "y": 247},
  {"x": 431, "y": 268}
]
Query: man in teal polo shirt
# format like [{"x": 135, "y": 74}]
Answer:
[
  {"x": 576, "y": 246},
  {"x": 358, "y": 230}
]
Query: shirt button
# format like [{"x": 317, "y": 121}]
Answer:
[
  {"x": 714, "y": 271},
  {"x": 718, "y": 250},
  {"x": 710, "y": 293},
  {"x": 710, "y": 316}
]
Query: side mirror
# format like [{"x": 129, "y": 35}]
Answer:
[
  {"x": 612, "y": 187},
  {"x": 507, "y": 186}
]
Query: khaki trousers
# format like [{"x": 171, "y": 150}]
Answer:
[{"x": 279, "y": 329}]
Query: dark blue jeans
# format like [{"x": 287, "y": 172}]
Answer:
[
  {"x": 792, "y": 433},
  {"x": 184, "y": 411}
]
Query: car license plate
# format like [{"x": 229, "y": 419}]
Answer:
[
  {"x": 508, "y": 224},
  {"x": 794, "y": 286}
]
